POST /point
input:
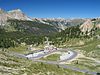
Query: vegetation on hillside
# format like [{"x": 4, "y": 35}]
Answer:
[
  {"x": 10, "y": 65},
  {"x": 13, "y": 39},
  {"x": 17, "y": 32},
  {"x": 24, "y": 32}
]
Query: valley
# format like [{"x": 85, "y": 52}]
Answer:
[{"x": 21, "y": 35}]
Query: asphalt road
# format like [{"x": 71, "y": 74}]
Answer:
[{"x": 36, "y": 59}]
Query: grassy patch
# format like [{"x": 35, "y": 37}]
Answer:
[
  {"x": 91, "y": 50},
  {"x": 86, "y": 64},
  {"x": 10, "y": 65},
  {"x": 24, "y": 49},
  {"x": 19, "y": 49},
  {"x": 53, "y": 57},
  {"x": 90, "y": 46}
]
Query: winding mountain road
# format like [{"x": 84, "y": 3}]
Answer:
[{"x": 36, "y": 59}]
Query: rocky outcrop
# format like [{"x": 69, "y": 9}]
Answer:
[
  {"x": 18, "y": 14},
  {"x": 86, "y": 26},
  {"x": 60, "y": 23},
  {"x": 13, "y": 14}
]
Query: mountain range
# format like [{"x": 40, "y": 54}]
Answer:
[
  {"x": 13, "y": 18},
  {"x": 16, "y": 28},
  {"x": 59, "y": 23}
]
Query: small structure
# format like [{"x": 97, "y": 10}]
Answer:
[
  {"x": 30, "y": 47},
  {"x": 49, "y": 46}
]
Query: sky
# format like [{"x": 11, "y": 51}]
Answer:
[{"x": 55, "y": 8}]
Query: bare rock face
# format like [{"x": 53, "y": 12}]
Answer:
[
  {"x": 86, "y": 26},
  {"x": 13, "y": 14},
  {"x": 18, "y": 14},
  {"x": 60, "y": 23}
]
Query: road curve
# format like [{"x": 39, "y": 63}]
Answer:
[{"x": 36, "y": 59}]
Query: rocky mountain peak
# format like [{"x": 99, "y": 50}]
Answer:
[
  {"x": 18, "y": 14},
  {"x": 16, "y": 10},
  {"x": 13, "y": 14},
  {"x": 86, "y": 26}
]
